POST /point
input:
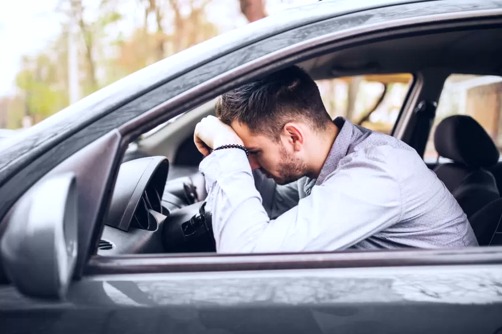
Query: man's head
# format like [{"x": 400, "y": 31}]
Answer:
[
  {"x": 265, "y": 105},
  {"x": 276, "y": 117}
]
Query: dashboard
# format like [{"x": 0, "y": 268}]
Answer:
[{"x": 151, "y": 212}]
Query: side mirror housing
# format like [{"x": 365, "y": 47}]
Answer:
[{"x": 39, "y": 246}]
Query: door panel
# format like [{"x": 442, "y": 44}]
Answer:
[{"x": 432, "y": 299}]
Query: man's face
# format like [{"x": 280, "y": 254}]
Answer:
[{"x": 276, "y": 159}]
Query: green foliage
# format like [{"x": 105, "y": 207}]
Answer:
[
  {"x": 43, "y": 86},
  {"x": 103, "y": 55},
  {"x": 108, "y": 18}
]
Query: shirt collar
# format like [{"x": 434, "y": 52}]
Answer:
[{"x": 339, "y": 149}]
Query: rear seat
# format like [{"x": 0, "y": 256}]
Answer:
[
  {"x": 487, "y": 224},
  {"x": 461, "y": 139}
]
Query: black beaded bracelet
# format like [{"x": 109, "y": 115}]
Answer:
[{"x": 232, "y": 146}]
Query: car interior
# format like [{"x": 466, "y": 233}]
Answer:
[{"x": 158, "y": 202}]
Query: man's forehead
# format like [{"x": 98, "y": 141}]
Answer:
[
  {"x": 250, "y": 138},
  {"x": 242, "y": 129}
]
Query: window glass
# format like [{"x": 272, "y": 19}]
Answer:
[
  {"x": 373, "y": 101},
  {"x": 479, "y": 96}
]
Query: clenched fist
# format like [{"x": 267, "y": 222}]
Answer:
[{"x": 210, "y": 132}]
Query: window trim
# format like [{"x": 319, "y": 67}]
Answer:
[
  {"x": 165, "y": 262},
  {"x": 210, "y": 262}
]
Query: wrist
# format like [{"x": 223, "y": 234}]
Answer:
[
  {"x": 228, "y": 146},
  {"x": 227, "y": 141}
]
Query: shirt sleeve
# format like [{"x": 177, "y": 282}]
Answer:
[
  {"x": 276, "y": 199},
  {"x": 238, "y": 216},
  {"x": 360, "y": 199}
]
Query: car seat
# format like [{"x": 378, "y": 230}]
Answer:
[
  {"x": 487, "y": 224},
  {"x": 461, "y": 139}
]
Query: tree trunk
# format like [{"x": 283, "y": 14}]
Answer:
[
  {"x": 178, "y": 26},
  {"x": 77, "y": 16},
  {"x": 253, "y": 10}
]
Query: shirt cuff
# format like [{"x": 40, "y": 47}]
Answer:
[{"x": 220, "y": 165}]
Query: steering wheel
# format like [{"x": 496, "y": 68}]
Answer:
[{"x": 189, "y": 229}]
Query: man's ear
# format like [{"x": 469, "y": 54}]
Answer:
[{"x": 293, "y": 134}]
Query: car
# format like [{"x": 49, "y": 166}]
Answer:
[
  {"x": 103, "y": 224},
  {"x": 6, "y": 133}
]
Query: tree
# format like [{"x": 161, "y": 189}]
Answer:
[
  {"x": 103, "y": 55},
  {"x": 253, "y": 10},
  {"x": 167, "y": 27},
  {"x": 92, "y": 23},
  {"x": 178, "y": 24},
  {"x": 76, "y": 16},
  {"x": 154, "y": 9},
  {"x": 132, "y": 54},
  {"x": 189, "y": 28},
  {"x": 42, "y": 81}
]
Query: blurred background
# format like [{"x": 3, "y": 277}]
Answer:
[{"x": 57, "y": 51}]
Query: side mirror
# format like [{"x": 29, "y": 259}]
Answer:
[{"x": 39, "y": 246}]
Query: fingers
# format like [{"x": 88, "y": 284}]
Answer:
[
  {"x": 210, "y": 131},
  {"x": 202, "y": 147}
]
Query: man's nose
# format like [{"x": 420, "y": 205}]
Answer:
[{"x": 253, "y": 162}]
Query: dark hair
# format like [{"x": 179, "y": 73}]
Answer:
[{"x": 265, "y": 105}]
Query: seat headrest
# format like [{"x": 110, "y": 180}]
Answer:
[{"x": 461, "y": 139}]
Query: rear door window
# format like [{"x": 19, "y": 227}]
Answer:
[
  {"x": 373, "y": 101},
  {"x": 479, "y": 96}
]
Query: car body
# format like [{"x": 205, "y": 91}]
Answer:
[
  {"x": 70, "y": 168},
  {"x": 6, "y": 133}
]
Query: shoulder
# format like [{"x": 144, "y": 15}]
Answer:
[{"x": 380, "y": 149}]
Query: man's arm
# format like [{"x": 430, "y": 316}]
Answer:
[
  {"x": 361, "y": 199},
  {"x": 350, "y": 206}
]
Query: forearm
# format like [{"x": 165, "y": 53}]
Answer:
[{"x": 239, "y": 217}]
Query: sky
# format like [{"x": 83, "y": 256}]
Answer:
[{"x": 27, "y": 26}]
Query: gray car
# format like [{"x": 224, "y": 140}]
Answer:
[{"x": 102, "y": 220}]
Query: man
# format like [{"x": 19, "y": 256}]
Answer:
[{"x": 343, "y": 186}]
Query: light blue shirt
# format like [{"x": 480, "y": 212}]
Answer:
[{"x": 373, "y": 192}]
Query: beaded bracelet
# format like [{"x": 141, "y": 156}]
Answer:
[{"x": 232, "y": 146}]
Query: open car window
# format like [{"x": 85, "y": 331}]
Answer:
[
  {"x": 372, "y": 101},
  {"x": 478, "y": 96}
]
